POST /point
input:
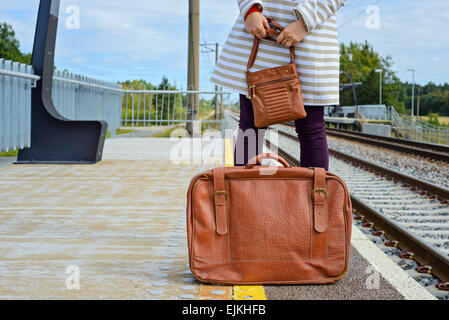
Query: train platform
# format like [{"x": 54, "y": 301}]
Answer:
[{"x": 117, "y": 230}]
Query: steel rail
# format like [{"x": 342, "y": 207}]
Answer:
[
  {"x": 424, "y": 253},
  {"x": 422, "y": 149},
  {"x": 419, "y": 144}
]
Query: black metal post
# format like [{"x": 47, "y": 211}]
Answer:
[
  {"x": 353, "y": 86},
  {"x": 55, "y": 139}
]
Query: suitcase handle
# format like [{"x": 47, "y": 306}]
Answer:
[{"x": 251, "y": 163}]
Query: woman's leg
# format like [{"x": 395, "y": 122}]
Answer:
[
  {"x": 312, "y": 137},
  {"x": 250, "y": 140}
]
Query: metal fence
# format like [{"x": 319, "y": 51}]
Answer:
[
  {"x": 143, "y": 108},
  {"x": 81, "y": 98},
  {"x": 418, "y": 130},
  {"x": 75, "y": 97},
  {"x": 15, "y": 105}
]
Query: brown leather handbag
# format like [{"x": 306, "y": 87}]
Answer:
[
  {"x": 256, "y": 225},
  {"x": 276, "y": 92}
]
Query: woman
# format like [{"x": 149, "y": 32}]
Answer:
[{"x": 310, "y": 26}]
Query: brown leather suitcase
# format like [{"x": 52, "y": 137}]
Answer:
[{"x": 268, "y": 225}]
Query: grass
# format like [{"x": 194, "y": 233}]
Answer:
[
  {"x": 165, "y": 134},
  {"x": 118, "y": 132},
  {"x": 441, "y": 119},
  {"x": 12, "y": 153}
]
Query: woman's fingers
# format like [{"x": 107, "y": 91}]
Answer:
[
  {"x": 293, "y": 34},
  {"x": 281, "y": 38},
  {"x": 265, "y": 23},
  {"x": 262, "y": 32},
  {"x": 287, "y": 43},
  {"x": 256, "y": 24},
  {"x": 284, "y": 40}
]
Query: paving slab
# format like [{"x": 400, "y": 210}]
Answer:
[
  {"x": 119, "y": 224},
  {"x": 144, "y": 132},
  {"x": 6, "y": 161}
]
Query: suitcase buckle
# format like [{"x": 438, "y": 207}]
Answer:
[
  {"x": 317, "y": 190},
  {"x": 221, "y": 192}
]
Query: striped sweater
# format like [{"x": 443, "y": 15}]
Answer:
[{"x": 317, "y": 56}]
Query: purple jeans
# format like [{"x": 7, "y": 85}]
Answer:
[{"x": 311, "y": 134}]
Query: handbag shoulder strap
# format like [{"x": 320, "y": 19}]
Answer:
[{"x": 270, "y": 32}]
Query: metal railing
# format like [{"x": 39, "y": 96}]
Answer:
[
  {"x": 81, "y": 98},
  {"x": 16, "y": 80},
  {"x": 75, "y": 97},
  {"x": 418, "y": 130},
  {"x": 143, "y": 108}
]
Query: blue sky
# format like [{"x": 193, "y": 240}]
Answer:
[{"x": 146, "y": 39}]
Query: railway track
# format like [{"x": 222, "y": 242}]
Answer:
[
  {"x": 408, "y": 217},
  {"x": 426, "y": 150}
]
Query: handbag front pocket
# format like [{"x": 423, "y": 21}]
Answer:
[{"x": 277, "y": 102}]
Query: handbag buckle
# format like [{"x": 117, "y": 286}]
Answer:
[{"x": 252, "y": 92}]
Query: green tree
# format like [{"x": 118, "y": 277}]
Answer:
[
  {"x": 360, "y": 60},
  {"x": 10, "y": 46}
]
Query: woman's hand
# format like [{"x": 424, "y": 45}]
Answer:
[
  {"x": 293, "y": 34},
  {"x": 256, "y": 24}
]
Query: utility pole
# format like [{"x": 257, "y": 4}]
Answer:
[
  {"x": 380, "y": 85},
  {"x": 208, "y": 50},
  {"x": 413, "y": 93},
  {"x": 216, "y": 87},
  {"x": 193, "y": 63},
  {"x": 419, "y": 100}
]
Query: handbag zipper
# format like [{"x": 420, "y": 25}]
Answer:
[{"x": 252, "y": 91}]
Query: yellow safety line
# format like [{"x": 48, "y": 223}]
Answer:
[
  {"x": 228, "y": 154},
  {"x": 249, "y": 293},
  {"x": 242, "y": 292}
]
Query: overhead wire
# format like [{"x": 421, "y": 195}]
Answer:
[{"x": 357, "y": 15}]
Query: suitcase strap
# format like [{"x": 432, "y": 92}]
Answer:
[
  {"x": 220, "y": 196},
  {"x": 319, "y": 198}
]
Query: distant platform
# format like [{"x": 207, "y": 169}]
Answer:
[{"x": 343, "y": 120}]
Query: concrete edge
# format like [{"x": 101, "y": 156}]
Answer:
[{"x": 391, "y": 271}]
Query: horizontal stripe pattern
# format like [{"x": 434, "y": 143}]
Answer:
[{"x": 317, "y": 56}]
